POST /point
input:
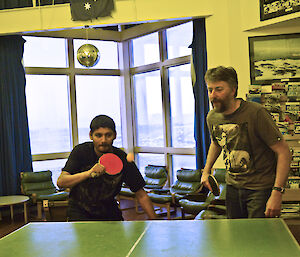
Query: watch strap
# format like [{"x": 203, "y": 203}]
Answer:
[{"x": 280, "y": 189}]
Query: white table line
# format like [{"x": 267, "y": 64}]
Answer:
[{"x": 137, "y": 241}]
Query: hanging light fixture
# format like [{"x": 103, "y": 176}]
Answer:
[{"x": 88, "y": 55}]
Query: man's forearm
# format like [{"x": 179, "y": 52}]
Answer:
[
  {"x": 213, "y": 154},
  {"x": 66, "y": 180},
  {"x": 146, "y": 203},
  {"x": 283, "y": 163},
  {"x": 283, "y": 168}
]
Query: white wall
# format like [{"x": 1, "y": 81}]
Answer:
[{"x": 229, "y": 23}]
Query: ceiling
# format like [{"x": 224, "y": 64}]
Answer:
[{"x": 114, "y": 33}]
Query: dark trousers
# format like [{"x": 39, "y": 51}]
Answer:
[
  {"x": 77, "y": 213},
  {"x": 246, "y": 203}
]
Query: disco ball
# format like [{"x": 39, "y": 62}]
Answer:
[{"x": 88, "y": 55}]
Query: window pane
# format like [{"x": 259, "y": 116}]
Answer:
[
  {"x": 143, "y": 159},
  {"x": 183, "y": 161},
  {"x": 97, "y": 95},
  {"x": 108, "y": 53},
  {"x": 145, "y": 50},
  {"x": 179, "y": 47},
  {"x": 45, "y": 52},
  {"x": 148, "y": 103},
  {"x": 182, "y": 106},
  {"x": 48, "y": 113},
  {"x": 54, "y": 166}
]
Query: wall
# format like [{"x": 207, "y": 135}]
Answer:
[{"x": 229, "y": 23}]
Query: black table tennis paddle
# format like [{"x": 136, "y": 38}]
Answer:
[{"x": 214, "y": 185}]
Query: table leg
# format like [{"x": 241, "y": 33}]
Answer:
[
  {"x": 11, "y": 212},
  {"x": 25, "y": 213}
]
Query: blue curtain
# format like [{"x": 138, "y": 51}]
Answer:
[
  {"x": 15, "y": 153},
  {"x": 199, "y": 67}
]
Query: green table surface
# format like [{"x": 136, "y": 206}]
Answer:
[{"x": 240, "y": 238}]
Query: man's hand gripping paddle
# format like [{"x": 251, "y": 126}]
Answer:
[{"x": 214, "y": 185}]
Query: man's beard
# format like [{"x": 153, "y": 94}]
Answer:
[
  {"x": 105, "y": 148},
  {"x": 221, "y": 106}
]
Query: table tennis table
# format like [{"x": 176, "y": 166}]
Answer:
[{"x": 216, "y": 238}]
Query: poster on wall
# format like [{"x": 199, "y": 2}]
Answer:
[
  {"x": 274, "y": 58},
  {"x": 274, "y": 8}
]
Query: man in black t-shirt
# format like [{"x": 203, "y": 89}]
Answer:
[{"x": 92, "y": 195}]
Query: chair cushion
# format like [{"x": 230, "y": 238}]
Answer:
[
  {"x": 189, "y": 175},
  {"x": 155, "y": 176},
  {"x": 219, "y": 174},
  {"x": 156, "y": 198},
  {"x": 152, "y": 171},
  {"x": 208, "y": 214},
  {"x": 38, "y": 183},
  {"x": 59, "y": 196},
  {"x": 180, "y": 187},
  {"x": 34, "y": 177},
  {"x": 155, "y": 182},
  {"x": 127, "y": 192},
  {"x": 38, "y": 188},
  {"x": 192, "y": 207}
]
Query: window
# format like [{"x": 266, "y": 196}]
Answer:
[
  {"x": 179, "y": 46},
  {"x": 54, "y": 165},
  {"x": 183, "y": 161},
  {"x": 148, "y": 105},
  {"x": 97, "y": 95},
  {"x": 163, "y": 97},
  {"x": 48, "y": 113},
  {"x": 50, "y": 94},
  {"x": 145, "y": 50},
  {"x": 144, "y": 159},
  {"x": 160, "y": 102},
  {"x": 182, "y": 106},
  {"x": 45, "y": 52}
]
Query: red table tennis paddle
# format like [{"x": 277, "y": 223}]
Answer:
[
  {"x": 112, "y": 163},
  {"x": 214, "y": 185}
]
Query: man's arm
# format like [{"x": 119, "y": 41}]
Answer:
[
  {"x": 146, "y": 203},
  {"x": 67, "y": 180},
  {"x": 213, "y": 154},
  {"x": 283, "y": 153}
]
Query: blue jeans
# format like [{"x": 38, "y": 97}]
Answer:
[{"x": 246, "y": 203}]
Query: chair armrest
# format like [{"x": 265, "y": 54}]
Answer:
[
  {"x": 219, "y": 209},
  {"x": 195, "y": 197},
  {"x": 161, "y": 191},
  {"x": 218, "y": 202}
]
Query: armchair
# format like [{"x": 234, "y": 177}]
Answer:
[
  {"x": 195, "y": 204},
  {"x": 155, "y": 178},
  {"x": 41, "y": 190},
  {"x": 188, "y": 182},
  {"x": 217, "y": 207}
]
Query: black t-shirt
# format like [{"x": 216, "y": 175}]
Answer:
[{"x": 96, "y": 194}]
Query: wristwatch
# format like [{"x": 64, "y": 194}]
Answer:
[{"x": 280, "y": 189}]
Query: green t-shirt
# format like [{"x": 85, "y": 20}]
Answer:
[{"x": 245, "y": 137}]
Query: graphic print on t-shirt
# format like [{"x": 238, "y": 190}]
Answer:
[{"x": 234, "y": 140}]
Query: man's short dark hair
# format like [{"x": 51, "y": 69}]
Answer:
[
  {"x": 221, "y": 73},
  {"x": 102, "y": 121}
]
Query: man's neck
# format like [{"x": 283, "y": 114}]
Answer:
[{"x": 234, "y": 105}]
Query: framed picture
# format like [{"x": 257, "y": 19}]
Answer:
[
  {"x": 274, "y": 8},
  {"x": 274, "y": 58}
]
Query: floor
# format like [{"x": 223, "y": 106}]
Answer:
[{"x": 129, "y": 213}]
